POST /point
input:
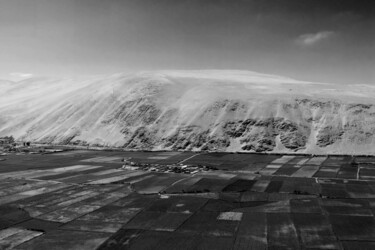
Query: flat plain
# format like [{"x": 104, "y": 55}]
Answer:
[{"x": 85, "y": 200}]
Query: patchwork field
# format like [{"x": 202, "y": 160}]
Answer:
[{"x": 85, "y": 200}]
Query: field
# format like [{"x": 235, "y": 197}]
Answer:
[{"x": 85, "y": 200}]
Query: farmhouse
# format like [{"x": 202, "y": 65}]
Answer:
[{"x": 5, "y": 141}]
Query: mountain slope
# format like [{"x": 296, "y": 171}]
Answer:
[{"x": 192, "y": 110}]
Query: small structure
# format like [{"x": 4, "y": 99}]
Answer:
[{"x": 6, "y": 141}]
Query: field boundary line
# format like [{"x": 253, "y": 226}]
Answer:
[{"x": 188, "y": 158}]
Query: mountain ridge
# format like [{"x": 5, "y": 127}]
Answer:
[{"x": 193, "y": 110}]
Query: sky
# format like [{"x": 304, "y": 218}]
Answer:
[{"x": 326, "y": 41}]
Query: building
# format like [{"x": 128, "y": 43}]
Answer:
[{"x": 5, "y": 141}]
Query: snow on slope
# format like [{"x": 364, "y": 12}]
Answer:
[{"x": 192, "y": 110}]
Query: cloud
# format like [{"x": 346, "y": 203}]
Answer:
[
  {"x": 315, "y": 38},
  {"x": 21, "y": 75}
]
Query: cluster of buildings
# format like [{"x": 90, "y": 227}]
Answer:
[
  {"x": 173, "y": 168},
  {"x": 7, "y": 140},
  {"x": 9, "y": 144}
]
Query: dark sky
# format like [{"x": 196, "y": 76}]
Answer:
[{"x": 317, "y": 40}]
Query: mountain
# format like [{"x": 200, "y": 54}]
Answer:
[{"x": 192, "y": 110}]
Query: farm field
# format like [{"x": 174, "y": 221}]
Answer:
[{"x": 86, "y": 200}]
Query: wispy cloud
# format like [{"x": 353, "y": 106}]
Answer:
[
  {"x": 314, "y": 38},
  {"x": 21, "y": 75}
]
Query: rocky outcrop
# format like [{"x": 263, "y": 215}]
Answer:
[
  {"x": 259, "y": 135},
  {"x": 329, "y": 135}
]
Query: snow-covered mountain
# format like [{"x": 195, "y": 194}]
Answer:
[{"x": 192, "y": 110}]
